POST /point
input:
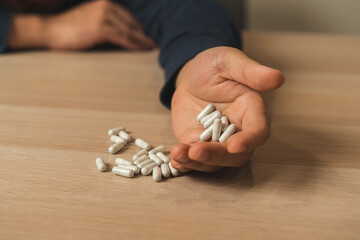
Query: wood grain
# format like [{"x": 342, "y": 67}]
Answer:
[{"x": 56, "y": 108}]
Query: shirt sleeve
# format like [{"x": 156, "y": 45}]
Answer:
[
  {"x": 182, "y": 29},
  {"x": 5, "y": 20}
]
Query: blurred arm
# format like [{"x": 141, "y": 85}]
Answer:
[{"x": 182, "y": 29}]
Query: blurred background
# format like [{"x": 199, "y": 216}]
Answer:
[{"x": 325, "y": 16}]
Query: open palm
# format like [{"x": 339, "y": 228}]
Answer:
[{"x": 226, "y": 78}]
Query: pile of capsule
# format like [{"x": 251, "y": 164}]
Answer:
[
  {"x": 145, "y": 161},
  {"x": 217, "y": 126}
]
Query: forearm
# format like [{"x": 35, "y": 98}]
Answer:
[
  {"x": 27, "y": 31},
  {"x": 183, "y": 29}
]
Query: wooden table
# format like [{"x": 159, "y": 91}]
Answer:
[{"x": 56, "y": 108}]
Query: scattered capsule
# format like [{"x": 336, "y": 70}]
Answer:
[
  {"x": 121, "y": 161},
  {"x": 141, "y": 159},
  {"x": 216, "y": 130},
  {"x": 139, "y": 154},
  {"x": 145, "y": 163},
  {"x": 156, "y": 174},
  {"x": 117, "y": 139},
  {"x": 206, "y": 134},
  {"x": 125, "y": 172},
  {"x": 224, "y": 123},
  {"x": 157, "y": 149},
  {"x": 115, "y": 131},
  {"x": 142, "y": 144},
  {"x": 173, "y": 171},
  {"x": 207, "y": 110},
  {"x": 227, "y": 133},
  {"x": 211, "y": 119},
  {"x": 100, "y": 164},
  {"x": 165, "y": 170},
  {"x": 136, "y": 169},
  {"x": 156, "y": 159},
  {"x": 125, "y": 135},
  {"x": 116, "y": 147},
  {"x": 163, "y": 157},
  {"x": 148, "y": 168}
]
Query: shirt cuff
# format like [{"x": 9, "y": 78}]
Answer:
[
  {"x": 183, "y": 53},
  {"x": 5, "y": 21}
]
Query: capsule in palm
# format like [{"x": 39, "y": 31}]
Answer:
[
  {"x": 216, "y": 130},
  {"x": 211, "y": 119},
  {"x": 207, "y": 110},
  {"x": 227, "y": 133},
  {"x": 205, "y": 135}
]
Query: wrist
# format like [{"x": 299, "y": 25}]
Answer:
[
  {"x": 27, "y": 31},
  {"x": 181, "y": 73}
]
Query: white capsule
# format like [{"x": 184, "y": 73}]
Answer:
[
  {"x": 163, "y": 157},
  {"x": 207, "y": 110},
  {"x": 227, "y": 133},
  {"x": 173, "y": 171},
  {"x": 125, "y": 135},
  {"x": 156, "y": 159},
  {"x": 121, "y": 161},
  {"x": 211, "y": 119},
  {"x": 132, "y": 167},
  {"x": 117, "y": 139},
  {"x": 141, "y": 159},
  {"x": 116, "y": 147},
  {"x": 139, "y": 154},
  {"x": 165, "y": 170},
  {"x": 125, "y": 172},
  {"x": 156, "y": 174},
  {"x": 206, "y": 118},
  {"x": 206, "y": 134},
  {"x": 145, "y": 163},
  {"x": 160, "y": 148},
  {"x": 100, "y": 164},
  {"x": 142, "y": 144},
  {"x": 216, "y": 130},
  {"x": 148, "y": 168},
  {"x": 224, "y": 123},
  {"x": 115, "y": 131}
]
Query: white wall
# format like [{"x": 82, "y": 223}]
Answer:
[{"x": 331, "y": 16}]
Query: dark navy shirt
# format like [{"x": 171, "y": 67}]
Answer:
[{"x": 181, "y": 28}]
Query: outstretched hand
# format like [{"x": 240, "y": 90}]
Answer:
[{"x": 228, "y": 79}]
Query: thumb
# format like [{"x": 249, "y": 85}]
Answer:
[{"x": 235, "y": 65}]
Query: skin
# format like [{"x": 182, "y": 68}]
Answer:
[
  {"x": 82, "y": 27},
  {"x": 222, "y": 76},
  {"x": 228, "y": 79}
]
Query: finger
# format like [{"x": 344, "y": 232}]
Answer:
[
  {"x": 135, "y": 35},
  {"x": 179, "y": 167},
  {"x": 110, "y": 35},
  {"x": 180, "y": 152},
  {"x": 214, "y": 153},
  {"x": 125, "y": 16},
  {"x": 255, "y": 130},
  {"x": 235, "y": 65},
  {"x": 193, "y": 165}
]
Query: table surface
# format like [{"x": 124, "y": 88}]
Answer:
[{"x": 56, "y": 108}]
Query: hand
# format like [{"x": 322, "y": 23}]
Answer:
[
  {"x": 226, "y": 78},
  {"x": 94, "y": 23}
]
